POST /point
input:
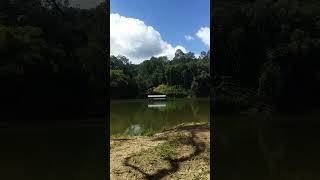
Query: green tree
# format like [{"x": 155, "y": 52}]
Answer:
[{"x": 200, "y": 85}]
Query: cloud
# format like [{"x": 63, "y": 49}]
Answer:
[
  {"x": 134, "y": 39},
  {"x": 188, "y": 37},
  {"x": 204, "y": 34}
]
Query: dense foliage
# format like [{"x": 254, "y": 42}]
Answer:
[
  {"x": 184, "y": 75},
  {"x": 52, "y": 58},
  {"x": 269, "y": 48}
]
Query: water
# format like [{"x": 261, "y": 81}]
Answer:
[
  {"x": 52, "y": 150},
  {"x": 279, "y": 147},
  {"x": 136, "y": 116}
]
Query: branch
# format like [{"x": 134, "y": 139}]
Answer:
[{"x": 55, "y": 5}]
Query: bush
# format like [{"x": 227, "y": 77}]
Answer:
[{"x": 171, "y": 91}]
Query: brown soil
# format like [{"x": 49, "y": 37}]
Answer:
[{"x": 182, "y": 152}]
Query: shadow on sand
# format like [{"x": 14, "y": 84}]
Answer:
[{"x": 198, "y": 147}]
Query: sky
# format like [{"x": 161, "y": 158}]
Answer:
[{"x": 140, "y": 29}]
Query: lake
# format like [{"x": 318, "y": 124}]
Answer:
[
  {"x": 136, "y": 116},
  {"x": 61, "y": 149},
  {"x": 278, "y": 147}
]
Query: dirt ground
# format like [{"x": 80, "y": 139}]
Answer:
[{"x": 182, "y": 152}]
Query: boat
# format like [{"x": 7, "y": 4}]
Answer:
[{"x": 157, "y": 97}]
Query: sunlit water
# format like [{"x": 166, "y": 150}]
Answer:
[{"x": 136, "y": 116}]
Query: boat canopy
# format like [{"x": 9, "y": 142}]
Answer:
[{"x": 157, "y": 96}]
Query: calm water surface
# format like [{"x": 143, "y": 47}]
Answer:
[
  {"x": 278, "y": 147},
  {"x": 135, "y": 116},
  {"x": 51, "y": 150}
]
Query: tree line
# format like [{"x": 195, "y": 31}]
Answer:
[
  {"x": 52, "y": 58},
  {"x": 269, "y": 48},
  {"x": 184, "y": 75}
]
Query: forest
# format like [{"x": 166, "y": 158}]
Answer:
[
  {"x": 265, "y": 55},
  {"x": 52, "y": 59},
  {"x": 185, "y": 75}
]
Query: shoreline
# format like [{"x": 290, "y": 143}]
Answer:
[{"x": 177, "y": 153}]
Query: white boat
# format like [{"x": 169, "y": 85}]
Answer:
[{"x": 157, "y": 97}]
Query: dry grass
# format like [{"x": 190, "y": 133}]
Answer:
[{"x": 182, "y": 152}]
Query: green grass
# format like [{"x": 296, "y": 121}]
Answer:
[
  {"x": 168, "y": 149},
  {"x": 147, "y": 132},
  {"x": 117, "y": 136},
  {"x": 151, "y": 132}
]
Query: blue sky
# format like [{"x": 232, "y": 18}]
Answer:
[{"x": 173, "y": 19}]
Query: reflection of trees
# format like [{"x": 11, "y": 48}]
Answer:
[
  {"x": 124, "y": 114},
  {"x": 271, "y": 145},
  {"x": 266, "y": 148},
  {"x": 288, "y": 145},
  {"x": 133, "y": 129},
  {"x": 173, "y": 105},
  {"x": 201, "y": 109},
  {"x": 195, "y": 108}
]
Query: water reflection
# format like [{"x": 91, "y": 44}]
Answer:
[
  {"x": 157, "y": 105},
  {"x": 52, "y": 150},
  {"x": 133, "y": 129},
  {"x": 276, "y": 147},
  {"x": 158, "y": 115}
]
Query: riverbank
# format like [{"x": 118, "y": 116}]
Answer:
[{"x": 182, "y": 152}]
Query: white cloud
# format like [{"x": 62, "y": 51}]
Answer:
[
  {"x": 188, "y": 37},
  {"x": 134, "y": 39},
  {"x": 204, "y": 34}
]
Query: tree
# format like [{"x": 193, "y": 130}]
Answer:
[
  {"x": 53, "y": 56},
  {"x": 179, "y": 55},
  {"x": 203, "y": 54},
  {"x": 200, "y": 85},
  {"x": 151, "y": 72}
]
